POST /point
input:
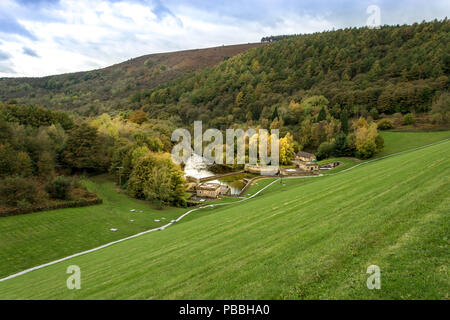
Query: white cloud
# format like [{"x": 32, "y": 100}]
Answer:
[
  {"x": 77, "y": 35},
  {"x": 83, "y": 34}
]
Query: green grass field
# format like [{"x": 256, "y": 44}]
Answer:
[
  {"x": 346, "y": 164},
  {"x": 400, "y": 141},
  {"x": 32, "y": 239},
  {"x": 393, "y": 142},
  {"x": 300, "y": 239}
]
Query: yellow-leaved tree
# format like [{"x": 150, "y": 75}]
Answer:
[
  {"x": 368, "y": 142},
  {"x": 286, "y": 146}
]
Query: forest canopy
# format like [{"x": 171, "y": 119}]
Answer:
[
  {"x": 328, "y": 93},
  {"x": 360, "y": 70}
]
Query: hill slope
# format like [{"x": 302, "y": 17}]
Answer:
[
  {"x": 395, "y": 141},
  {"x": 312, "y": 238},
  {"x": 366, "y": 71},
  {"x": 112, "y": 86},
  {"x": 33, "y": 239},
  {"x": 387, "y": 70},
  {"x": 25, "y": 239}
]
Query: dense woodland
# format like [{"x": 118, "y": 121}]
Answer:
[
  {"x": 279, "y": 37},
  {"x": 43, "y": 152},
  {"x": 94, "y": 92},
  {"x": 364, "y": 71},
  {"x": 329, "y": 93},
  {"x": 310, "y": 85}
]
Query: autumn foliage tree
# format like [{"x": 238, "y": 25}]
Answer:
[
  {"x": 441, "y": 109},
  {"x": 286, "y": 147},
  {"x": 138, "y": 117},
  {"x": 156, "y": 178},
  {"x": 82, "y": 149},
  {"x": 368, "y": 142}
]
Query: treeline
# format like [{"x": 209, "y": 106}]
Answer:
[
  {"x": 279, "y": 37},
  {"x": 32, "y": 144},
  {"x": 34, "y": 116},
  {"x": 38, "y": 158},
  {"x": 94, "y": 92}
]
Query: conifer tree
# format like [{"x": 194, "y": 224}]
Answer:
[{"x": 322, "y": 115}]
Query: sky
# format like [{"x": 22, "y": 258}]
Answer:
[{"x": 45, "y": 37}]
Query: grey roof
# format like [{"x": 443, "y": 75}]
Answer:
[
  {"x": 209, "y": 186},
  {"x": 305, "y": 154}
]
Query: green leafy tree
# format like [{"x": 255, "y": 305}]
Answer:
[
  {"x": 374, "y": 113},
  {"x": 121, "y": 163},
  {"x": 344, "y": 121},
  {"x": 82, "y": 148},
  {"x": 156, "y": 178},
  {"x": 275, "y": 113},
  {"x": 7, "y": 160},
  {"x": 385, "y": 124},
  {"x": 322, "y": 115},
  {"x": 341, "y": 146},
  {"x": 45, "y": 165},
  {"x": 18, "y": 190},
  {"x": 139, "y": 117},
  {"x": 375, "y": 71},
  {"x": 23, "y": 165},
  {"x": 240, "y": 99},
  {"x": 368, "y": 142},
  {"x": 59, "y": 188},
  {"x": 249, "y": 116},
  {"x": 408, "y": 119},
  {"x": 367, "y": 149},
  {"x": 325, "y": 150},
  {"x": 441, "y": 109},
  {"x": 138, "y": 153}
]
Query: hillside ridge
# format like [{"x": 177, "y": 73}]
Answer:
[{"x": 87, "y": 90}]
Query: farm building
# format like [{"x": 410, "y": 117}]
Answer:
[
  {"x": 305, "y": 156},
  {"x": 209, "y": 190},
  {"x": 225, "y": 190},
  {"x": 191, "y": 186},
  {"x": 309, "y": 166},
  {"x": 306, "y": 161}
]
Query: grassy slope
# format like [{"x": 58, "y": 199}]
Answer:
[
  {"x": 32, "y": 239},
  {"x": 313, "y": 238},
  {"x": 111, "y": 84},
  {"x": 400, "y": 141},
  {"x": 346, "y": 164},
  {"x": 393, "y": 142}
]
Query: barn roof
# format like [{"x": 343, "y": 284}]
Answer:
[
  {"x": 209, "y": 186},
  {"x": 305, "y": 154}
]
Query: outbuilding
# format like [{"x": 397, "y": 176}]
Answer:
[
  {"x": 309, "y": 166},
  {"x": 305, "y": 156},
  {"x": 208, "y": 190},
  {"x": 306, "y": 161}
]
